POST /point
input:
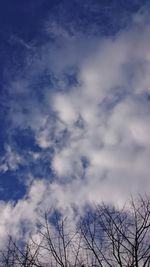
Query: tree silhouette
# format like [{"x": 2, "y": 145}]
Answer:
[{"x": 104, "y": 236}]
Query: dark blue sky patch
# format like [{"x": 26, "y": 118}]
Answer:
[
  {"x": 96, "y": 17},
  {"x": 24, "y": 18},
  {"x": 41, "y": 168},
  {"x": 24, "y": 140},
  {"x": 71, "y": 77},
  {"x": 3, "y": 132},
  {"x": 41, "y": 82},
  {"x": 36, "y": 163},
  {"x": 148, "y": 97},
  {"x": 10, "y": 187},
  {"x": 21, "y": 26},
  {"x": 85, "y": 162}
]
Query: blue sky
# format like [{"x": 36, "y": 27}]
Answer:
[{"x": 74, "y": 104}]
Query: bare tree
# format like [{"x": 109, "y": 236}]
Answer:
[
  {"x": 8, "y": 254},
  {"x": 20, "y": 254},
  {"x": 58, "y": 245},
  {"x": 105, "y": 236},
  {"x": 62, "y": 243},
  {"x": 119, "y": 237}
]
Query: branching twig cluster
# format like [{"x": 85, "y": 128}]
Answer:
[{"x": 104, "y": 237}]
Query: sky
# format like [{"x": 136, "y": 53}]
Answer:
[{"x": 74, "y": 106}]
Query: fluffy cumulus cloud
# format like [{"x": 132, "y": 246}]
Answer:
[
  {"x": 90, "y": 119},
  {"x": 107, "y": 118}
]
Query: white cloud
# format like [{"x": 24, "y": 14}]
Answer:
[
  {"x": 25, "y": 213},
  {"x": 11, "y": 160},
  {"x": 65, "y": 108},
  {"x": 115, "y": 135},
  {"x": 104, "y": 120}
]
